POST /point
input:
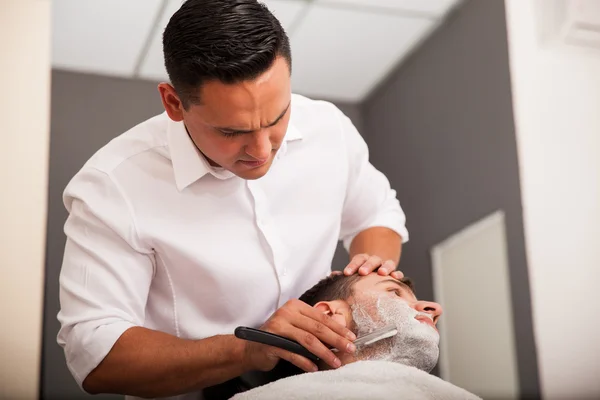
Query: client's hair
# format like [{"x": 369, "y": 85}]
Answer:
[{"x": 337, "y": 287}]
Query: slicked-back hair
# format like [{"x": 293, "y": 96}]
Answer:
[{"x": 230, "y": 41}]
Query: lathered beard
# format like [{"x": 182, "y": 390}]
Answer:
[{"x": 416, "y": 344}]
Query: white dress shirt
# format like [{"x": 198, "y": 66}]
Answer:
[{"x": 158, "y": 238}]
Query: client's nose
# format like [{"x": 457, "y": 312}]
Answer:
[{"x": 429, "y": 307}]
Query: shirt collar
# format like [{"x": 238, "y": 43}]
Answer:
[
  {"x": 292, "y": 133},
  {"x": 190, "y": 165}
]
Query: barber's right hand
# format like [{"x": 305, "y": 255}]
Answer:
[{"x": 306, "y": 325}]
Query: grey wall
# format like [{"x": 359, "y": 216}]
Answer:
[
  {"x": 87, "y": 112},
  {"x": 447, "y": 115}
]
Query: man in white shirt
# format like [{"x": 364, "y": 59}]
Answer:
[
  {"x": 396, "y": 367},
  {"x": 215, "y": 214}
]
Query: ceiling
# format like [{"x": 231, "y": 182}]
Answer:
[{"x": 341, "y": 48}]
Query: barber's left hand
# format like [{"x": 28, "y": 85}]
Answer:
[{"x": 364, "y": 264}]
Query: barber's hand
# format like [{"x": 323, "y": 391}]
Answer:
[
  {"x": 365, "y": 264},
  {"x": 306, "y": 325}
]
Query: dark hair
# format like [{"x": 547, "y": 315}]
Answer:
[
  {"x": 226, "y": 40},
  {"x": 337, "y": 287}
]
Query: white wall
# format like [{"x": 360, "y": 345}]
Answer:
[
  {"x": 556, "y": 90},
  {"x": 471, "y": 281},
  {"x": 24, "y": 132}
]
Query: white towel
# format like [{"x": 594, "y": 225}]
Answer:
[{"x": 373, "y": 380}]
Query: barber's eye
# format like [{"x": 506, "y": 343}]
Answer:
[{"x": 230, "y": 134}]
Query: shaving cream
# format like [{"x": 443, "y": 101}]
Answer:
[{"x": 416, "y": 344}]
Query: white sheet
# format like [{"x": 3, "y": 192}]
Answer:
[{"x": 373, "y": 380}]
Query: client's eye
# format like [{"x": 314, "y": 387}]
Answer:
[{"x": 398, "y": 292}]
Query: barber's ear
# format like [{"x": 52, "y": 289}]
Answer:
[{"x": 334, "y": 310}]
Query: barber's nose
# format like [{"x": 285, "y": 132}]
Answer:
[
  {"x": 260, "y": 145},
  {"x": 429, "y": 307}
]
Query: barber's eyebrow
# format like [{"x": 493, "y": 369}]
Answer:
[
  {"x": 399, "y": 283},
  {"x": 236, "y": 130}
]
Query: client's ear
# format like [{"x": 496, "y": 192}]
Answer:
[{"x": 339, "y": 310}]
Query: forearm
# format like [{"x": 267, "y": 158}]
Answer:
[
  {"x": 377, "y": 241},
  {"x": 147, "y": 363}
]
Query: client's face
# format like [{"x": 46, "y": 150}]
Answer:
[
  {"x": 374, "y": 286},
  {"x": 378, "y": 301}
]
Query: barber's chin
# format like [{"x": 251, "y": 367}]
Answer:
[{"x": 255, "y": 172}]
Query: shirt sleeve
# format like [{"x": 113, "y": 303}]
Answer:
[
  {"x": 370, "y": 201},
  {"x": 105, "y": 275}
]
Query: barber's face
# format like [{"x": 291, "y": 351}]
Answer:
[
  {"x": 239, "y": 127},
  {"x": 374, "y": 285}
]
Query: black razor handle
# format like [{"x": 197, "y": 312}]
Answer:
[{"x": 271, "y": 339}]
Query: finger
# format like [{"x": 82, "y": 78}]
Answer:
[
  {"x": 387, "y": 267},
  {"x": 325, "y": 334},
  {"x": 305, "y": 330},
  {"x": 301, "y": 362},
  {"x": 317, "y": 316},
  {"x": 311, "y": 328},
  {"x": 370, "y": 265},
  {"x": 355, "y": 263},
  {"x": 335, "y": 273},
  {"x": 397, "y": 275},
  {"x": 294, "y": 312},
  {"x": 313, "y": 336}
]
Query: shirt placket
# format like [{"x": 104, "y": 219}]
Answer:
[{"x": 268, "y": 228}]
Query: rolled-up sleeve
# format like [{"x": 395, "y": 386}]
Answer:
[
  {"x": 106, "y": 272},
  {"x": 370, "y": 201}
]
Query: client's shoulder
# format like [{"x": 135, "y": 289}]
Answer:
[{"x": 379, "y": 380}]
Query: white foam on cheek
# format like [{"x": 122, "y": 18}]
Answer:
[{"x": 416, "y": 343}]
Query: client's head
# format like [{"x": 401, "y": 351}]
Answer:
[{"x": 366, "y": 303}]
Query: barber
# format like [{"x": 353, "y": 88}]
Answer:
[{"x": 215, "y": 214}]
